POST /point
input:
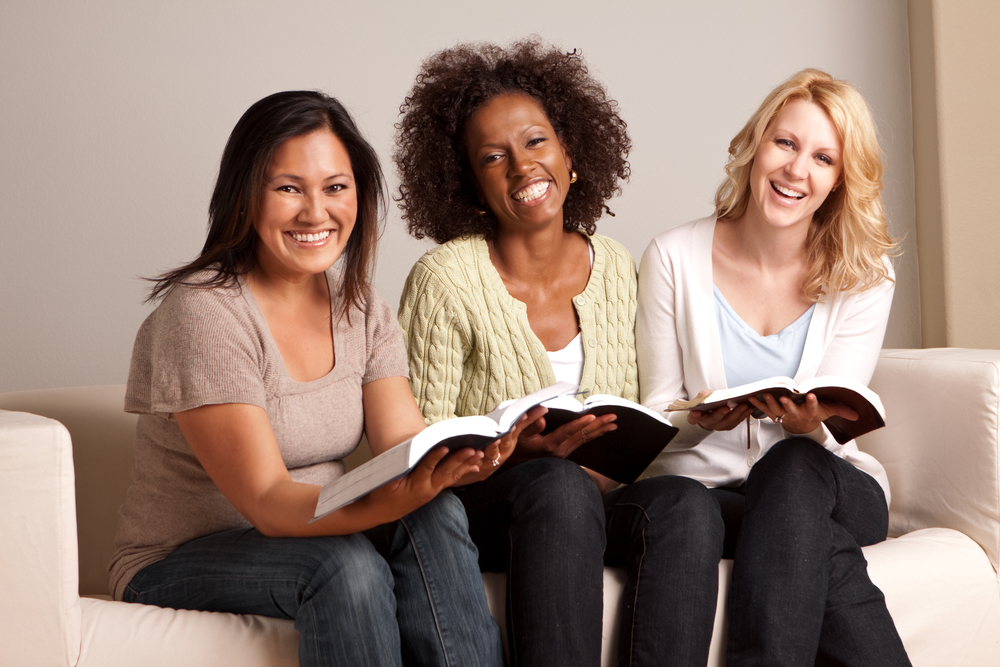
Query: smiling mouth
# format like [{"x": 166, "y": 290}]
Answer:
[
  {"x": 310, "y": 238},
  {"x": 785, "y": 192},
  {"x": 531, "y": 192}
]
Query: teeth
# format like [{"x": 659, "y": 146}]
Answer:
[
  {"x": 309, "y": 238},
  {"x": 532, "y": 191},
  {"x": 787, "y": 192}
]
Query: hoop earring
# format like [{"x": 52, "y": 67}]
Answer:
[{"x": 572, "y": 176}]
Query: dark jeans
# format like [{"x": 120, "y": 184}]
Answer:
[
  {"x": 666, "y": 532},
  {"x": 407, "y": 592},
  {"x": 800, "y": 593},
  {"x": 546, "y": 525}
]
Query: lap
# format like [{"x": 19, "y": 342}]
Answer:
[
  {"x": 243, "y": 571},
  {"x": 800, "y": 480}
]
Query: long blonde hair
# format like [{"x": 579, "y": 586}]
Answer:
[{"x": 849, "y": 236}]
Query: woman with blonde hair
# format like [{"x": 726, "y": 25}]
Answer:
[{"x": 790, "y": 277}]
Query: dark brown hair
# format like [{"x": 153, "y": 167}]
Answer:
[
  {"x": 231, "y": 247},
  {"x": 437, "y": 192}
]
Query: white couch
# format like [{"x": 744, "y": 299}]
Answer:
[{"x": 60, "y": 491}]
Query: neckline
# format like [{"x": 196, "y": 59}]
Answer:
[
  {"x": 790, "y": 328},
  {"x": 496, "y": 282},
  {"x": 275, "y": 352}
]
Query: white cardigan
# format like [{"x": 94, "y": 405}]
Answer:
[{"x": 679, "y": 355}]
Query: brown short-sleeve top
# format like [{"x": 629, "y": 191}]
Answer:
[{"x": 211, "y": 346}]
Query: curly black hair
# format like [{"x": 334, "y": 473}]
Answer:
[{"x": 437, "y": 193}]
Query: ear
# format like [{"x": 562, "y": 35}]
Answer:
[{"x": 566, "y": 156}]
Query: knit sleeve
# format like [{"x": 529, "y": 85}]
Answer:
[
  {"x": 386, "y": 353},
  {"x": 436, "y": 340},
  {"x": 199, "y": 347}
]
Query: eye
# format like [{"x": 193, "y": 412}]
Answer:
[
  {"x": 785, "y": 143},
  {"x": 825, "y": 159},
  {"x": 286, "y": 188},
  {"x": 536, "y": 141},
  {"x": 336, "y": 187},
  {"x": 490, "y": 157}
]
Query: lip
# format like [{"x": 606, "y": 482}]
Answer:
[
  {"x": 314, "y": 243},
  {"x": 783, "y": 198},
  {"x": 537, "y": 200}
]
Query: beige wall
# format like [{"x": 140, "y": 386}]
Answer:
[
  {"x": 955, "y": 60},
  {"x": 113, "y": 115}
]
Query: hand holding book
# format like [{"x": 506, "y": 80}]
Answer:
[
  {"x": 800, "y": 417},
  {"x": 848, "y": 408}
]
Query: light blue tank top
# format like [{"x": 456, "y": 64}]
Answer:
[{"x": 748, "y": 356}]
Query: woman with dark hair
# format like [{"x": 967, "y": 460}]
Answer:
[
  {"x": 507, "y": 158},
  {"x": 789, "y": 277},
  {"x": 253, "y": 379}
]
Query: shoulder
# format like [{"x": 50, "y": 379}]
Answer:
[
  {"x": 454, "y": 252},
  {"x": 189, "y": 310},
  {"x": 376, "y": 310},
  {"x": 613, "y": 263},
  {"x": 613, "y": 249},
  {"x": 451, "y": 266},
  {"x": 683, "y": 237}
]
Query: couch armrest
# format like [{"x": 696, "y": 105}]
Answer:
[
  {"x": 940, "y": 445},
  {"x": 40, "y": 612}
]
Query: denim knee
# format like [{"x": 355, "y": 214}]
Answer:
[
  {"x": 796, "y": 459},
  {"x": 673, "y": 506},
  {"x": 446, "y": 509},
  {"x": 559, "y": 489},
  {"x": 350, "y": 566}
]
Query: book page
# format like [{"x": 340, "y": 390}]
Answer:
[{"x": 507, "y": 414}]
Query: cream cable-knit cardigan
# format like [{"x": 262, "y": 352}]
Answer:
[{"x": 470, "y": 344}]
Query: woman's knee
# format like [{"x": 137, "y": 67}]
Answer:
[
  {"x": 445, "y": 509},
  {"x": 556, "y": 484},
  {"x": 791, "y": 458},
  {"x": 558, "y": 499},
  {"x": 349, "y": 567},
  {"x": 678, "y": 506}
]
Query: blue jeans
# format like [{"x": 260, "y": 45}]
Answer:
[
  {"x": 408, "y": 592},
  {"x": 546, "y": 525},
  {"x": 800, "y": 593}
]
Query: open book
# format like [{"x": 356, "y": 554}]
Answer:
[
  {"x": 621, "y": 454},
  {"x": 864, "y": 401},
  {"x": 476, "y": 431}
]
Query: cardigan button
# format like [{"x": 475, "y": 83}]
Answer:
[
  {"x": 580, "y": 301},
  {"x": 592, "y": 342}
]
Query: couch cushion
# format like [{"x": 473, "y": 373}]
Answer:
[
  {"x": 942, "y": 593},
  {"x": 118, "y": 634}
]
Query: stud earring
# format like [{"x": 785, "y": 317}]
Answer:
[
  {"x": 480, "y": 211},
  {"x": 572, "y": 176}
]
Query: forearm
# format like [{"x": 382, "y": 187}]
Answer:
[{"x": 286, "y": 509}]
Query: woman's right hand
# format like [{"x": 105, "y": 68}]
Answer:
[
  {"x": 437, "y": 471},
  {"x": 561, "y": 442},
  {"x": 724, "y": 418}
]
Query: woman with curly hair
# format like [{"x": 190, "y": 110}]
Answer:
[
  {"x": 789, "y": 277},
  {"x": 507, "y": 158}
]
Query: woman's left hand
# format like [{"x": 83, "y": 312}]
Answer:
[
  {"x": 801, "y": 418},
  {"x": 497, "y": 452}
]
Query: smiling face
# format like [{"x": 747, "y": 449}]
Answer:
[
  {"x": 308, "y": 207},
  {"x": 521, "y": 166},
  {"x": 797, "y": 164}
]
